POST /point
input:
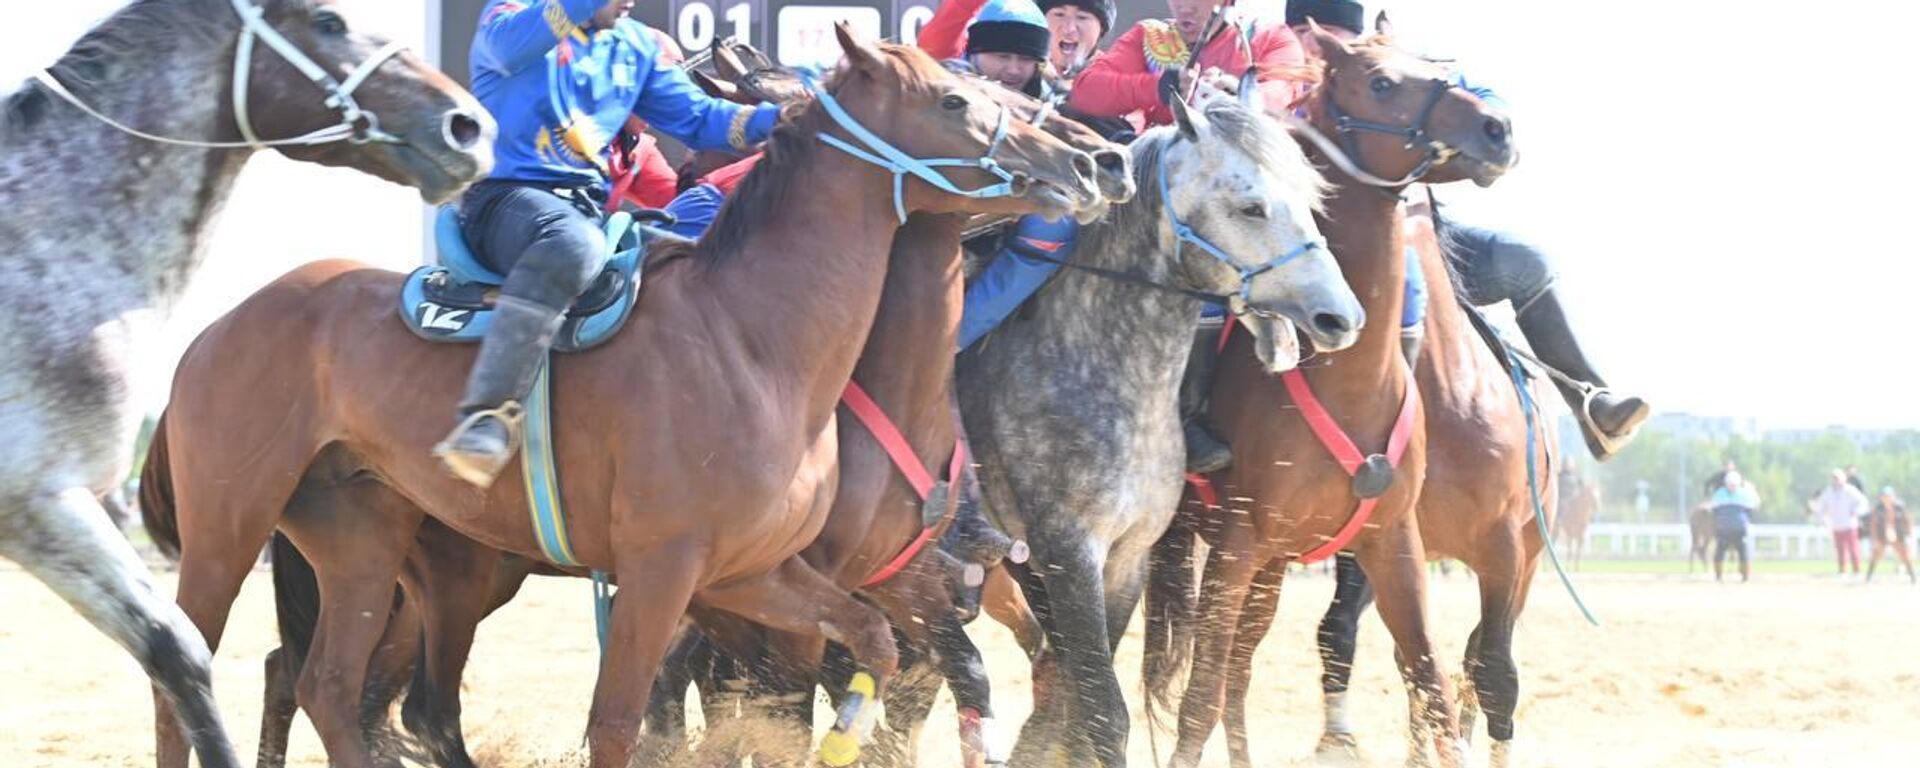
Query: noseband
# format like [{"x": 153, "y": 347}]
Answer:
[
  {"x": 1185, "y": 233},
  {"x": 1346, "y": 153},
  {"x": 357, "y": 125},
  {"x": 877, "y": 151}
]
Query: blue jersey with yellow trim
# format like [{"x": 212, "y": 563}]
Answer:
[{"x": 561, "y": 93}]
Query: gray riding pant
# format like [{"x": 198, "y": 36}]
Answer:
[{"x": 1496, "y": 266}]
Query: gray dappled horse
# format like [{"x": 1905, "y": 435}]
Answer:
[
  {"x": 1071, "y": 404},
  {"x": 114, "y": 163}
]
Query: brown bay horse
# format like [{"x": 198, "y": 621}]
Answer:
[
  {"x": 906, "y": 368},
  {"x": 726, "y": 387},
  {"x": 1287, "y": 495}
]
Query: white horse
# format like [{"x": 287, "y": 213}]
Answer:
[{"x": 114, "y": 163}]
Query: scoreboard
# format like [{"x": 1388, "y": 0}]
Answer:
[{"x": 794, "y": 32}]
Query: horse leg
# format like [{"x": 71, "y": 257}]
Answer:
[
  {"x": 1339, "y": 633},
  {"x": 1042, "y": 736},
  {"x": 357, "y": 558},
  {"x": 643, "y": 624},
  {"x": 278, "y": 707},
  {"x": 1225, "y": 583},
  {"x": 1263, "y": 602},
  {"x": 1095, "y": 727},
  {"x": 1496, "y": 679},
  {"x": 1003, "y": 600},
  {"x": 457, "y": 581},
  {"x": 66, "y": 541},
  {"x": 1394, "y": 561}
]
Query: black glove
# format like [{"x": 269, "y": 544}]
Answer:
[{"x": 1170, "y": 84}]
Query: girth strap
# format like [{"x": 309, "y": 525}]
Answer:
[{"x": 895, "y": 444}]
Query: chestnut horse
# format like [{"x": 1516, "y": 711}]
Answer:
[
  {"x": 1290, "y": 496},
  {"x": 726, "y": 389},
  {"x": 906, "y": 368}
]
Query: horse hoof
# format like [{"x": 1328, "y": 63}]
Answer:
[
  {"x": 1338, "y": 749},
  {"x": 1500, "y": 754},
  {"x": 839, "y": 749}
]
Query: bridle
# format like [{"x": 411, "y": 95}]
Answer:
[
  {"x": 1184, "y": 233},
  {"x": 356, "y": 126},
  {"x": 1345, "y": 153},
  {"x": 875, "y": 150}
]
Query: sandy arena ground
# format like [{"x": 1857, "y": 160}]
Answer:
[{"x": 1788, "y": 671}]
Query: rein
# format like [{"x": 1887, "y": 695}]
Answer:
[
  {"x": 1184, "y": 233},
  {"x": 877, "y": 151},
  {"x": 357, "y": 125}
]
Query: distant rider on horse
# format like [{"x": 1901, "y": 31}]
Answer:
[{"x": 561, "y": 77}]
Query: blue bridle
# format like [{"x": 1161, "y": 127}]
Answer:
[
  {"x": 878, "y": 152},
  {"x": 1185, "y": 233}
]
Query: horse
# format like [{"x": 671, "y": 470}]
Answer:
[
  {"x": 1700, "y": 534},
  {"x": 1292, "y": 491},
  {"x": 875, "y": 519},
  {"x": 1070, "y": 403},
  {"x": 1579, "y": 502},
  {"x": 155, "y": 110},
  {"x": 685, "y": 488}
]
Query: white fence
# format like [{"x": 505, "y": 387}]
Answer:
[{"x": 1671, "y": 540}]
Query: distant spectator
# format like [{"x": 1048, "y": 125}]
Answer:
[
  {"x": 1889, "y": 526},
  {"x": 1718, "y": 479},
  {"x": 1734, "y": 503},
  {"x": 1840, "y": 506}
]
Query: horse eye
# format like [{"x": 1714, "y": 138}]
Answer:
[
  {"x": 1253, "y": 211},
  {"x": 329, "y": 23},
  {"x": 953, "y": 101},
  {"x": 1381, "y": 84}
]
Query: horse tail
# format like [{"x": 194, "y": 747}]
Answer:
[
  {"x": 1170, "y": 606},
  {"x": 296, "y": 596},
  {"x": 156, "y": 494}
]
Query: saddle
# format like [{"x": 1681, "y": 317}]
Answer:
[{"x": 452, "y": 302}]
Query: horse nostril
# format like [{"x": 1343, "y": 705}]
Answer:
[
  {"x": 1111, "y": 161},
  {"x": 1497, "y": 130},
  {"x": 1330, "y": 324},
  {"x": 1083, "y": 167},
  {"x": 461, "y": 130}
]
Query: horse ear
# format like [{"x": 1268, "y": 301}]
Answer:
[
  {"x": 1330, "y": 44},
  {"x": 1382, "y": 26},
  {"x": 861, "y": 53},
  {"x": 1250, "y": 88},
  {"x": 1188, "y": 121}
]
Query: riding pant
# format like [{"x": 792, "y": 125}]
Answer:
[
  {"x": 547, "y": 240},
  {"x": 1498, "y": 266}
]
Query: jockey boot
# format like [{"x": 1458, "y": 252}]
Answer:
[
  {"x": 1607, "y": 419},
  {"x": 503, "y": 374},
  {"x": 1205, "y": 453}
]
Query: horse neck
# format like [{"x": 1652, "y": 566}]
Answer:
[
  {"x": 801, "y": 293},
  {"x": 1126, "y": 325},
  {"x": 1364, "y": 232},
  {"x": 907, "y": 365},
  {"x": 122, "y": 206}
]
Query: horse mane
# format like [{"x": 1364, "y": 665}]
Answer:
[
  {"x": 765, "y": 187},
  {"x": 139, "y": 27}
]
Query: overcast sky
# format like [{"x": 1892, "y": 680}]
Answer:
[{"x": 1723, "y": 186}]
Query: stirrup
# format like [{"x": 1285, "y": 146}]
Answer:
[
  {"x": 1608, "y": 443},
  {"x": 510, "y": 414}
]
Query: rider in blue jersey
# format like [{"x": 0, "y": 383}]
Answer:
[{"x": 561, "y": 77}]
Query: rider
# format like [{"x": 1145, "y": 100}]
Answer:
[
  {"x": 560, "y": 76},
  {"x": 1148, "y": 66},
  {"x": 1498, "y": 266}
]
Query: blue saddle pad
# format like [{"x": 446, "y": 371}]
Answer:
[{"x": 453, "y": 302}]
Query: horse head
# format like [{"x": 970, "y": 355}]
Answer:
[
  {"x": 1399, "y": 118},
  {"x": 987, "y": 162},
  {"x": 412, "y": 124},
  {"x": 1113, "y": 165},
  {"x": 1241, "y": 194}
]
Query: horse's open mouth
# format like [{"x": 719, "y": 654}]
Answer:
[{"x": 1276, "y": 342}]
